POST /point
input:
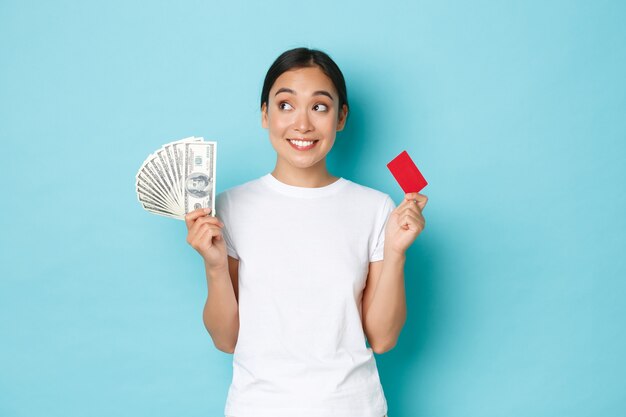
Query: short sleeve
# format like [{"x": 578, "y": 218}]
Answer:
[
  {"x": 377, "y": 244},
  {"x": 224, "y": 213}
]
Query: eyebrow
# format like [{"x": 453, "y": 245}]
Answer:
[{"x": 315, "y": 93}]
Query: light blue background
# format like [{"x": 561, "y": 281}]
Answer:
[{"x": 514, "y": 111}]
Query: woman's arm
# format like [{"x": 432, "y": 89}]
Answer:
[
  {"x": 384, "y": 303},
  {"x": 384, "y": 299},
  {"x": 221, "y": 310}
]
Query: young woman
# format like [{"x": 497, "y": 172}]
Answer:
[{"x": 303, "y": 265}]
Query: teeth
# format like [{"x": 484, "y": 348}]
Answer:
[{"x": 301, "y": 142}]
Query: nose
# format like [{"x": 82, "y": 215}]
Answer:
[{"x": 303, "y": 122}]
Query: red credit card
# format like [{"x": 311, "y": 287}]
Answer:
[{"x": 406, "y": 173}]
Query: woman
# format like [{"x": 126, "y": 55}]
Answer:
[{"x": 295, "y": 272}]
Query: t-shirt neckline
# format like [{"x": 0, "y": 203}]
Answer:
[{"x": 306, "y": 192}]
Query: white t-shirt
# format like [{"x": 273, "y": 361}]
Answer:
[{"x": 303, "y": 257}]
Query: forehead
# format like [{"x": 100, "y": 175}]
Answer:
[{"x": 304, "y": 81}]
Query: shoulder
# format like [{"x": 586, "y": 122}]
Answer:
[
  {"x": 239, "y": 190},
  {"x": 368, "y": 195},
  {"x": 232, "y": 197}
]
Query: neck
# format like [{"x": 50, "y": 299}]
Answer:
[{"x": 312, "y": 177}]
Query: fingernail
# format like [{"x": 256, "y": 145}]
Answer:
[{"x": 207, "y": 210}]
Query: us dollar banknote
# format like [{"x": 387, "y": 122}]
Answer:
[
  {"x": 178, "y": 178},
  {"x": 199, "y": 190}
]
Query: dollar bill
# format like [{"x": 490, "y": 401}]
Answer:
[
  {"x": 178, "y": 178},
  {"x": 199, "y": 178}
]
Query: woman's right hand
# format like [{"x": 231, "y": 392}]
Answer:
[{"x": 204, "y": 234}]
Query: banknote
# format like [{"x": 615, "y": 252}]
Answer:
[
  {"x": 178, "y": 178},
  {"x": 199, "y": 175}
]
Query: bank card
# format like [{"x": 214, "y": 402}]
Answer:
[{"x": 406, "y": 173}]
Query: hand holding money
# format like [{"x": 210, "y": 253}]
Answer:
[
  {"x": 178, "y": 178},
  {"x": 205, "y": 236}
]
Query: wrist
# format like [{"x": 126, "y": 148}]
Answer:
[
  {"x": 215, "y": 271},
  {"x": 394, "y": 256}
]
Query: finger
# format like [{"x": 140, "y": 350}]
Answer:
[
  {"x": 210, "y": 219},
  {"x": 205, "y": 240},
  {"x": 417, "y": 198},
  {"x": 406, "y": 224},
  {"x": 409, "y": 222},
  {"x": 196, "y": 231},
  {"x": 205, "y": 220},
  {"x": 193, "y": 215},
  {"x": 211, "y": 236},
  {"x": 405, "y": 204},
  {"x": 198, "y": 240},
  {"x": 410, "y": 208}
]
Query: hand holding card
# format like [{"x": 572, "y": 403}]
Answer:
[{"x": 406, "y": 173}]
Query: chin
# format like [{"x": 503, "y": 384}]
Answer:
[{"x": 303, "y": 164}]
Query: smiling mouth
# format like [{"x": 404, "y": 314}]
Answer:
[{"x": 302, "y": 145}]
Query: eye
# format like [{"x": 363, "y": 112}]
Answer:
[
  {"x": 285, "y": 106},
  {"x": 320, "y": 107}
]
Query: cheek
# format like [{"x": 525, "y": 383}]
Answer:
[
  {"x": 277, "y": 128},
  {"x": 327, "y": 122},
  {"x": 280, "y": 122}
]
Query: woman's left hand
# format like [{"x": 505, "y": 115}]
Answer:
[{"x": 405, "y": 223}]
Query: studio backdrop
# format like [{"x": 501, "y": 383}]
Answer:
[{"x": 513, "y": 111}]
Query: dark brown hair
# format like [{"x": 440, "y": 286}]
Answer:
[{"x": 303, "y": 58}]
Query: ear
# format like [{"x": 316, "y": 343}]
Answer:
[
  {"x": 343, "y": 114},
  {"x": 264, "y": 121}
]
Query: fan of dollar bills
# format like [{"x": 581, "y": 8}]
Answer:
[{"x": 178, "y": 178}]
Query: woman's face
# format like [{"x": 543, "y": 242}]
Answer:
[{"x": 303, "y": 116}]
